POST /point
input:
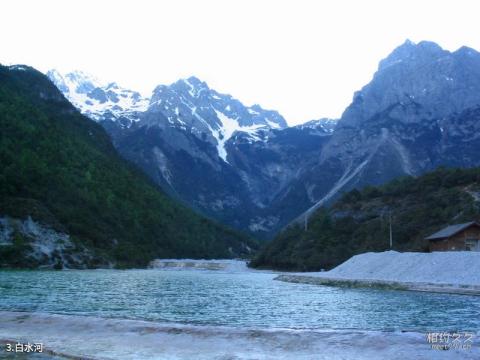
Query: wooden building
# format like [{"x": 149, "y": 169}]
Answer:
[{"x": 459, "y": 237}]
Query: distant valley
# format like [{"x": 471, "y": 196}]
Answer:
[{"x": 230, "y": 162}]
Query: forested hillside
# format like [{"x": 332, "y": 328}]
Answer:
[
  {"x": 60, "y": 168},
  {"x": 359, "y": 221}
]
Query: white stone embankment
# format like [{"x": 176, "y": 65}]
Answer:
[
  {"x": 85, "y": 337},
  {"x": 455, "y": 272},
  {"x": 229, "y": 265}
]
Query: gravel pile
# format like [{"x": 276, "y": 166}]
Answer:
[{"x": 452, "y": 267}]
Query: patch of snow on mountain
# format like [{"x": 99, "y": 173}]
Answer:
[
  {"x": 189, "y": 104},
  {"x": 191, "y": 90},
  {"x": 227, "y": 129},
  {"x": 17, "y": 67},
  {"x": 272, "y": 124}
]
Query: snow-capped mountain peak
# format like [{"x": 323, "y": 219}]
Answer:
[
  {"x": 191, "y": 105},
  {"x": 99, "y": 100},
  {"x": 188, "y": 105},
  {"x": 75, "y": 81},
  {"x": 195, "y": 87}
]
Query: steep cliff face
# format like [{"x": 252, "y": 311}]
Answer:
[
  {"x": 415, "y": 114},
  {"x": 441, "y": 82},
  {"x": 27, "y": 243}
]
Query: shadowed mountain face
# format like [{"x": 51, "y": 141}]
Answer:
[
  {"x": 244, "y": 166},
  {"x": 229, "y": 161},
  {"x": 225, "y": 159}
]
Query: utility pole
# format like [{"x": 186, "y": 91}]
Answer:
[{"x": 391, "y": 237}]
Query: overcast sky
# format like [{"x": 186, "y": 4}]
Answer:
[{"x": 302, "y": 58}]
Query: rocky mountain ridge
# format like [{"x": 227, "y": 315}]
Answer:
[
  {"x": 244, "y": 166},
  {"x": 193, "y": 141},
  {"x": 407, "y": 120}
]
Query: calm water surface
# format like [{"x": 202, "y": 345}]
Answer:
[{"x": 242, "y": 299}]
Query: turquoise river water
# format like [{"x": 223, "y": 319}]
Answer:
[{"x": 234, "y": 299}]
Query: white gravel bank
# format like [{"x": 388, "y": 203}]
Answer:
[
  {"x": 449, "y": 267},
  {"x": 452, "y": 271}
]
